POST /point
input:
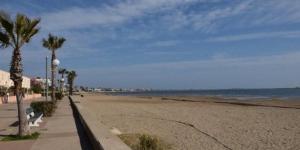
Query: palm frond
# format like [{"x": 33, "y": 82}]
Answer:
[
  {"x": 53, "y": 42},
  {"x": 31, "y": 34},
  {"x": 19, "y": 24},
  {"x": 62, "y": 71},
  {"x": 4, "y": 40},
  {"x": 71, "y": 76},
  {"x": 45, "y": 43},
  {"x": 31, "y": 30},
  {"x": 60, "y": 42},
  {"x": 7, "y": 26},
  {"x": 3, "y": 14}
]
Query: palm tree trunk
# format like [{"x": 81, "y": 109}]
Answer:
[
  {"x": 16, "y": 75},
  {"x": 23, "y": 123},
  {"x": 53, "y": 76},
  {"x": 71, "y": 89}
]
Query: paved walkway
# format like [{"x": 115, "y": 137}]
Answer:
[
  {"x": 8, "y": 125},
  {"x": 62, "y": 131},
  {"x": 8, "y": 117}
]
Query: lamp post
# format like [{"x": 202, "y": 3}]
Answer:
[
  {"x": 6, "y": 97},
  {"x": 62, "y": 82},
  {"x": 46, "y": 83}
]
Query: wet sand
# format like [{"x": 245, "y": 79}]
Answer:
[{"x": 208, "y": 124}]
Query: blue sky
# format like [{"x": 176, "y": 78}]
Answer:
[{"x": 168, "y": 44}]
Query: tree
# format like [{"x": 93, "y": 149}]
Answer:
[
  {"x": 53, "y": 43},
  {"x": 36, "y": 86},
  {"x": 62, "y": 71},
  {"x": 71, "y": 76},
  {"x": 15, "y": 34}
]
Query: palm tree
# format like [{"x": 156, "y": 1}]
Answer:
[
  {"x": 53, "y": 43},
  {"x": 62, "y": 71},
  {"x": 16, "y": 33},
  {"x": 71, "y": 76}
]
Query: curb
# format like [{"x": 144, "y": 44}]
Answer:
[{"x": 103, "y": 140}]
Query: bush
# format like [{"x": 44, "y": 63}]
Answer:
[
  {"x": 148, "y": 143},
  {"x": 144, "y": 142},
  {"x": 59, "y": 95},
  {"x": 45, "y": 107},
  {"x": 37, "y": 89},
  {"x": 33, "y": 136}
]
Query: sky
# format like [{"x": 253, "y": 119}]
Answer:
[{"x": 167, "y": 44}]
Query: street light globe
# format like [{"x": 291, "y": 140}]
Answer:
[
  {"x": 62, "y": 80},
  {"x": 56, "y": 62}
]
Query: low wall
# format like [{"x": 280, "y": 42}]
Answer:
[
  {"x": 99, "y": 136},
  {"x": 12, "y": 99}
]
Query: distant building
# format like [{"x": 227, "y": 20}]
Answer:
[
  {"x": 5, "y": 80},
  {"x": 43, "y": 81},
  {"x": 97, "y": 90}
]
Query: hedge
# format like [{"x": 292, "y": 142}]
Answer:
[{"x": 45, "y": 107}]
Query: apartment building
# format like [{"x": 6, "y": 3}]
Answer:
[{"x": 5, "y": 80}]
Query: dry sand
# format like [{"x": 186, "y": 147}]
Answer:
[{"x": 201, "y": 125}]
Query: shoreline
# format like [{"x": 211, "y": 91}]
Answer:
[
  {"x": 238, "y": 94},
  {"x": 224, "y": 97},
  {"x": 262, "y": 103}
]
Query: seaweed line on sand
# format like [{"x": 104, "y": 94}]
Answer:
[{"x": 232, "y": 103}]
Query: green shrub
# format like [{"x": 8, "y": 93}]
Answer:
[
  {"x": 144, "y": 142},
  {"x": 59, "y": 95},
  {"x": 33, "y": 136},
  {"x": 45, "y": 107},
  {"x": 37, "y": 89},
  {"x": 148, "y": 143}
]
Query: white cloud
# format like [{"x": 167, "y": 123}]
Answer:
[
  {"x": 209, "y": 20},
  {"x": 176, "y": 14},
  {"x": 283, "y": 34},
  {"x": 243, "y": 14},
  {"x": 107, "y": 15},
  {"x": 206, "y": 20},
  {"x": 283, "y": 59},
  {"x": 276, "y": 12},
  {"x": 165, "y": 43}
]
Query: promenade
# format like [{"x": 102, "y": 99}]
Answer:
[
  {"x": 60, "y": 132},
  {"x": 8, "y": 125}
]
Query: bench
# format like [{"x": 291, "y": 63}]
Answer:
[{"x": 33, "y": 118}]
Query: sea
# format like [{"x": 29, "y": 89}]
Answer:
[{"x": 240, "y": 94}]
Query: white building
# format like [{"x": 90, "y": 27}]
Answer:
[
  {"x": 5, "y": 80},
  {"x": 43, "y": 81}
]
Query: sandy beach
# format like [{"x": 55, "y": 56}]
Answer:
[{"x": 207, "y": 124}]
